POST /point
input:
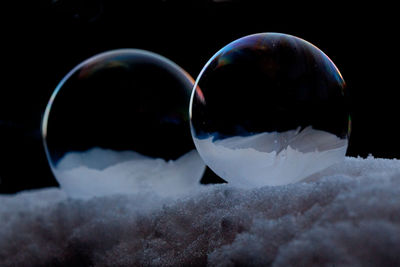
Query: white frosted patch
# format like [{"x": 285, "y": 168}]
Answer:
[
  {"x": 99, "y": 172},
  {"x": 97, "y": 158},
  {"x": 272, "y": 158}
]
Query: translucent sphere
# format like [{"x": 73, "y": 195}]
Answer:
[
  {"x": 119, "y": 123},
  {"x": 269, "y": 109}
]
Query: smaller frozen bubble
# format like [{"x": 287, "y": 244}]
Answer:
[
  {"x": 119, "y": 123},
  {"x": 269, "y": 109}
]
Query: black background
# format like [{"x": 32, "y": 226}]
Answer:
[{"x": 43, "y": 40}]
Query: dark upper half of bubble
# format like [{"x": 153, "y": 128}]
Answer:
[
  {"x": 124, "y": 100},
  {"x": 269, "y": 82}
]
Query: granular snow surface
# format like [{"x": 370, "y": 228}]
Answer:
[{"x": 346, "y": 215}]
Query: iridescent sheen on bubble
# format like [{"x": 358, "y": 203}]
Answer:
[
  {"x": 269, "y": 109},
  {"x": 119, "y": 107}
]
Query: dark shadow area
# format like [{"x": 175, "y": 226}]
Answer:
[{"x": 43, "y": 40}]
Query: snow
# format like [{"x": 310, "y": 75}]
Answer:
[
  {"x": 100, "y": 172},
  {"x": 345, "y": 215},
  {"x": 272, "y": 158}
]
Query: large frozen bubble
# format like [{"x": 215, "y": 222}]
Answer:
[
  {"x": 123, "y": 107},
  {"x": 269, "y": 109}
]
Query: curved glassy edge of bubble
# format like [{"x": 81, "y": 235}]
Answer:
[
  {"x": 196, "y": 88},
  {"x": 87, "y": 174},
  {"x": 246, "y": 150},
  {"x": 83, "y": 63}
]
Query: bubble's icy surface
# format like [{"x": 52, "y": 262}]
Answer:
[
  {"x": 131, "y": 102},
  {"x": 269, "y": 109}
]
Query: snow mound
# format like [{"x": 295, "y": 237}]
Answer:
[
  {"x": 101, "y": 172},
  {"x": 275, "y": 158},
  {"x": 346, "y": 215}
]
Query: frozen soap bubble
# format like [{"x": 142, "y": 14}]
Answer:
[
  {"x": 269, "y": 109},
  {"x": 119, "y": 123}
]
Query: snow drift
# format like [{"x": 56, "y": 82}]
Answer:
[
  {"x": 271, "y": 158},
  {"x": 346, "y": 215},
  {"x": 101, "y": 172}
]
